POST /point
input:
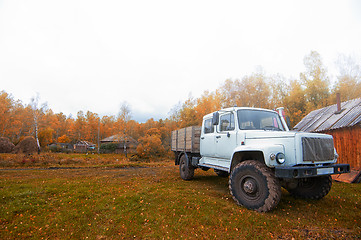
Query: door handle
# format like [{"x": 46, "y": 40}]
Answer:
[
  {"x": 202, "y": 138},
  {"x": 218, "y": 136}
]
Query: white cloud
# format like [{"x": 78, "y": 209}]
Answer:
[{"x": 92, "y": 55}]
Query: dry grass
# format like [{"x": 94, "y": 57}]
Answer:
[
  {"x": 152, "y": 202},
  {"x": 54, "y": 160}
]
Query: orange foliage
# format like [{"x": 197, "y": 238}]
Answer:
[
  {"x": 46, "y": 136},
  {"x": 298, "y": 96},
  {"x": 64, "y": 139},
  {"x": 150, "y": 145}
]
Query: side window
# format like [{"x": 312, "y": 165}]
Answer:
[
  {"x": 208, "y": 127},
  {"x": 227, "y": 122}
]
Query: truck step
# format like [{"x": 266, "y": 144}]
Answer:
[{"x": 214, "y": 166}]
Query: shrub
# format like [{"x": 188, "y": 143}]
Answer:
[
  {"x": 108, "y": 147},
  {"x": 57, "y": 148},
  {"x": 150, "y": 146}
]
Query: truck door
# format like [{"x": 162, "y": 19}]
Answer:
[
  {"x": 207, "y": 139},
  {"x": 226, "y": 138}
]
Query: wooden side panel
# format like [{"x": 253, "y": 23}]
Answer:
[
  {"x": 347, "y": 142},
  {"x": 174, "y": 144},
  {"x": 196, "y": 139},
  {"x": 181, "y": 139},
  {"x": 186, "y": 139}
]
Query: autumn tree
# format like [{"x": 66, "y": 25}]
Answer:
[
  {"x": 295, "y": 102},
  {"x": 254, "y": 91},
  {"x": 186, "y": 114},
  {"x": 78, "y": 131},
  {"x": 46, "y": 136},
  {"x": 107, "y": 126},
  {"x": 251, "y": 91},
  {"x": 15, "y": 119},
  {"x": 124, "y": 116},
  {"x": 315, "y": 82},
  {"x": 229, "y": 93},
  {"x": 70, "y": 129},
  {"x": 63, "y": 139},
  {"x": 208, "y": 102},
  {"x": 49, "y": 119},
  {"x": 10, "y": 112},
  {"x": 37, "y": 112},
  {"x": 278, "y": 91},
  {"x": 21, "y": 123},
  {"x": 62, "y": 124},
  {"x": 348, "y": 82},
  {"x": 6, "y": 105},
  {"x": 150, "y": 145},
  {"x": 91, "y": 127}
]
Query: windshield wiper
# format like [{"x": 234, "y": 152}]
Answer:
[{"x": 271, "y": 128}]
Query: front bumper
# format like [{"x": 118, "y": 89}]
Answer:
[{"x": 311, "y": 171}]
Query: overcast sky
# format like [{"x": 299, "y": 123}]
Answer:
[{"x": 94, "y": 55}]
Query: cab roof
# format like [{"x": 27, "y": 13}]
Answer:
[{"x": 232, "y": 109}]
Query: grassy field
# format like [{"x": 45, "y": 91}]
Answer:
[{"x": 150, "y": 201}]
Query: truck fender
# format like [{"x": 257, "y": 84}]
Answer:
[
  {"x": 187, "y": 162},
  {"x": 262, "y": 154},
  {"x": 179, "y": 157}
]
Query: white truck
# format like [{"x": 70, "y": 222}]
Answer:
[{"x": 255, "y": 148}]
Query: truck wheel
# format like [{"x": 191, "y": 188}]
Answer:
[
  {"x": 312, "y": 188},
  {"x": 254, "y": 186},
  {"x": 186, "y": 170},
  {"x": 221, "y": 173}
]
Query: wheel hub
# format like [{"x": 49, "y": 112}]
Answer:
[{"x": 250, "y": 186}]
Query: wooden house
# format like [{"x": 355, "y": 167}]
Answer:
[
  {"x": 84, "y": 146},
  {"x": 124, "y": 143},
  {"x": 343, "y": 122},
  {"x": 61, "y": 147}
]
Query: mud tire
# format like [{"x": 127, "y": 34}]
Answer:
[
  {"x": 254, "y": 186},
  {"x": 186, "y": 170},
  {"x": 312, "y": 188}
]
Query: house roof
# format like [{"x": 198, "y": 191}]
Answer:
[
  {"x": 328, "y": 119},
  {"x": 118, "y": 138},
  {"x": 84, "y": 143}
]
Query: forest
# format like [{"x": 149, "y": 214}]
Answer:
[{"x": 314, "y": 89}]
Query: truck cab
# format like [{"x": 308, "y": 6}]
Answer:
[{"x": 229, "y": 131}]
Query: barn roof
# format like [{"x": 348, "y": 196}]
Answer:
[
  {"x": 329, "y": 119},
  {"x": 84, "y": 143},
  {"x": 118, "y": 138}
]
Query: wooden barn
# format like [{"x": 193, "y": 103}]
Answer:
[
  {"x": 126, "y": 143},
  {"x": 343, "y": 122},
  {"x": 84, "y": 146}
]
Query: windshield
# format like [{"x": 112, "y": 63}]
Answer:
[{"x": 259, "y": 120}]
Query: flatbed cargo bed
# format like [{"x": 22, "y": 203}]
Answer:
[{"x": 186, "y": 139}]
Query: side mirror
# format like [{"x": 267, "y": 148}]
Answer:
[{"x": 215, "y": 118}]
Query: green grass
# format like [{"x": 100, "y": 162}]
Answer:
[{"x": 154, "y": 203}]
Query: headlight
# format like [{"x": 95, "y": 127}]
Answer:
[{"x": 280, "y": 158}]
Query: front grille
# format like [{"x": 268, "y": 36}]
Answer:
[{"x": 317, "y": 149}]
